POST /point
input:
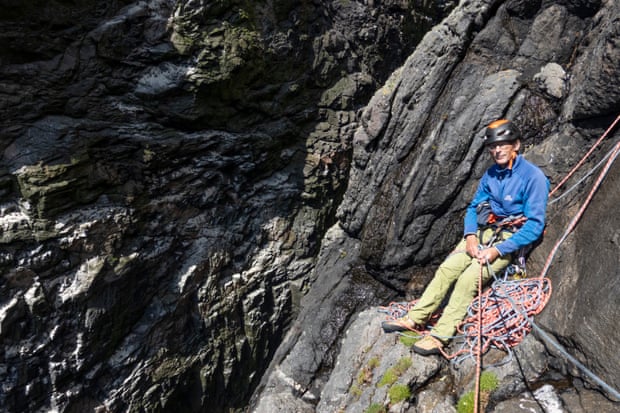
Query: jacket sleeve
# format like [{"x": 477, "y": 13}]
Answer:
[
  {"x": 534, "y": 208},
  {"x": 471, "y": 217}
]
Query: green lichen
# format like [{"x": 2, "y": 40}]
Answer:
[
  {"x": 169, "y": 367},
  {"x": 148, "y": 155}
]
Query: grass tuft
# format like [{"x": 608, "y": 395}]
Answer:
[
  {"x": 376, "y": 408},
  {"x": 398, "y": 393}
]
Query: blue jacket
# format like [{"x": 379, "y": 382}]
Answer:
[{"x": 524, "y": 189}]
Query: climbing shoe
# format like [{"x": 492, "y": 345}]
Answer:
[
  {"x": 427, "y": 346},
  {"x": 399, "y": 324}
]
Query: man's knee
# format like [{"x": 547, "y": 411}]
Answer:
[
  {"x": 453, "y": 267},
  {"x": 468, "y": 280}
]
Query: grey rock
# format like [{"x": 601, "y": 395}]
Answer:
[
  {"x": 552, "y": 80},
  {"x": 546, "y": 397}
]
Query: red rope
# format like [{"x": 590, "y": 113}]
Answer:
[
  {"x": 479, "y": 349},
  {"x": 502, "y": 326}
]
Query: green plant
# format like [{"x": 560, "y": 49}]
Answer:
[
  {"x": 398, "y": 393},
  {"x": 389, "y": 377},
  {"x": 355, "y": 391},
  {"x": 488, "y": 381},
  {"x": 373, "y": 362},
  {"x": 365, "y": 375},
  {"x": 375, "y": 408},
  {"x": 402, "y": 365},
  {"x": 466, "y": 403}
]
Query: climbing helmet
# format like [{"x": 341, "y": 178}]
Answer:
[{"x": 501, "y": 130}]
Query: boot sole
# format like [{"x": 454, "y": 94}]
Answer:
[
  {"x": 425, "y": 352},
  {"x": 392, "y": 327}
]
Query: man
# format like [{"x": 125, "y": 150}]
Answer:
[{"x": 506, "y": 214}]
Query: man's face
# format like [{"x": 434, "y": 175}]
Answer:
[{"x": 503, "y": 152}]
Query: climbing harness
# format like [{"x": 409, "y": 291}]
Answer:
[{"x": 512, "y": 223}]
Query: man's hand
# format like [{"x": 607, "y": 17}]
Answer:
[
  {"x": 471, "y": 245},
  {"x": 483, "y": 255},
  {"x": 487, "y": 255}
]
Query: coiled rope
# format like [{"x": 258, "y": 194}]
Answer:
[{"x": 503, "y": 325}]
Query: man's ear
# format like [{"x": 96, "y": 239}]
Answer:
[{"x": 517, "y": 145}]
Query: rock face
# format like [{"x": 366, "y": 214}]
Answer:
[
  {"x": 189, "y": 193},
  {"x": 168, "y": 172},
  {"x": 418, "y": 155}
]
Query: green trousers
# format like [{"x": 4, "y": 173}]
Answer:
[{"x": 461, "y": 271}]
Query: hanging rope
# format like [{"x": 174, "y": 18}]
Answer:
[{"x": 573, "y": 223}]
